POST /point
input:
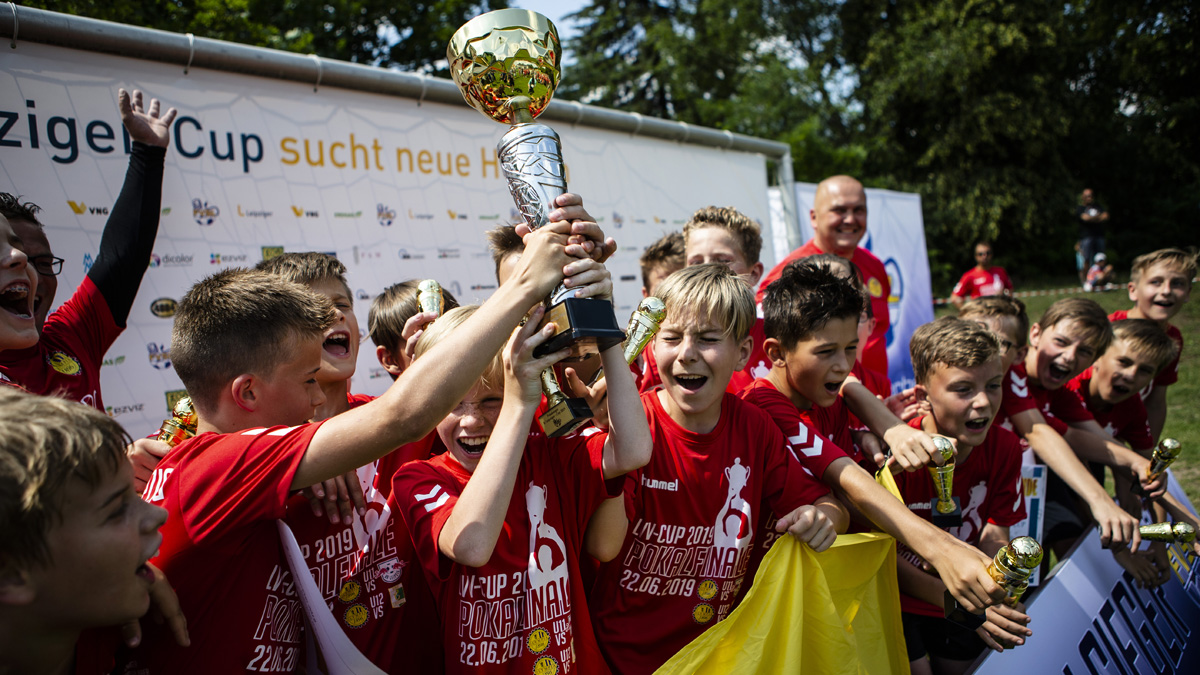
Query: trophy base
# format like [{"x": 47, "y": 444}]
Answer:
[
  {"x": 586, "y": 325},
  {"x": 952, "y": 519},
  {"x": 955, "y": 612},
  {"x": 565, "y": 416}
]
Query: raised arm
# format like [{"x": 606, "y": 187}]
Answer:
[
  {"x": 912, "y": 448},
  {"x": 1091, "y": 442}
]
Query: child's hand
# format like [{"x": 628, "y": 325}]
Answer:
[
  {"x": 1117, "y": 528},
  {"x": 1005, "y": 627},
  {"x": 963, "y": 569},
  {"x": 589, "y": 279},
  {"x": 1140, "y": 567},
  {"x": 595, "y": 395},
  {"x": 912, "y": 448},
  {"x": 143, "y": 455},
  {"x": 905, "y": 404},
  {"x": 1154, "y": 488},
  {"x": 587, "y": 240},
  {"x": 870, "y": 445},
  {"x": 164, "y": 606},
  {"x": 413, "y": 328},
  {"x": 339, "y": 495},
  {"x": 810, "y": 525},
  {"x": 522, "y": 372},
  {"x": 145, "y": 126}
]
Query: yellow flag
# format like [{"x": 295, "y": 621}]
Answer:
[{"x": 836, "y": 612}]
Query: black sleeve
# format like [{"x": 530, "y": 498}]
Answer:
[{"x": 128, "y": 237}]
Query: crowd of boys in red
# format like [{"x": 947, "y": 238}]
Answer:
[{"x": 441, "y": 529}]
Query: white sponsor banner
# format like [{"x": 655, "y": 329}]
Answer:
[
  {"x": 395, "y": 188},
  {"x": 896, "y": 235},
  {"x": 1091, "y": 617}
]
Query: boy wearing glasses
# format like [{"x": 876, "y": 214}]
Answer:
[
  {"x": 982, "y": 280},
  {"x": 66, "y": 360}
]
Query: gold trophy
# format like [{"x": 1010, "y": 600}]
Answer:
[
  {"x": 563, "y": 414},
  {"x": 506, "y": 63},
  {"x": 1177, "y": 533},
  {"x": 430, "y": 298},
  {"x": 182, "y": 424},
  {"x": 643, "y": 326},
  {"x": 946, "y": 509},
  {"x": 1011, "y": 569},
  {"x": 1166, "y": 452}
]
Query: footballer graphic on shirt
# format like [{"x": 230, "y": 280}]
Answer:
[{"x": 972, "y": 526}]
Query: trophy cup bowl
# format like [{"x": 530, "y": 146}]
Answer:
[
  {"x": 1164, "y": 454},
  {"x": 1010, "y": 568},
  {"x": 507, "y": 65},
  {"x": 430, "y": 298},
  {"x": 946, "y": 510},
  {"x": 182, "y": 424}
]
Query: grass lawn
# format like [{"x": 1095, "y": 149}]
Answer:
[{"x": 1183, "y": 397}]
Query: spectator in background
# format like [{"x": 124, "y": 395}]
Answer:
[
  {"x": 1100, "y": 274},
  {"x": 1091, "y": 217},
  {"x": 983, "y": 279},
  {"x": 66, "y": 360}
]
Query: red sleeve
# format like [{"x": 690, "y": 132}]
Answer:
[
  {"x": 959, "y": 288},
  {"x": 789, "y": 485},
  {"x": 815, "y": 451},
  {"x": 1006, "y": 505},
  {"x": 650, "y": 379},
  {"x": 1136, "y": 429},
  {"x": 240, "y": 479},
  {"x": 1066, "y": 405},
  {"x": 584, "y": 457},
  {"x": 426, "y": 498},
  {"x": 1016, "y": 393},
  {"x": 1004, "y": 278},
  {"x": 85, "y": 322}
]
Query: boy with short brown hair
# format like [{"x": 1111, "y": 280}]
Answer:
[
  {"x": 1161, "y": 283},
  {"x": 659, "y": 260},
  {"x": 958, "y": 371},
  {"x": 388, "y": 317},
  {"x": 719, "y": 464}
]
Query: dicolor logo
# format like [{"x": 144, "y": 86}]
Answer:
[
  {"x": 80, "y": 209},
  {"x": 300, "y": 212},
  {"x": 160, "y": 355},
  {"x": 170, "y": 260},
  {"x": 203, "y": 212},
  {"x": 163, "y": 308},
  {"x": 386, "y": 216}
]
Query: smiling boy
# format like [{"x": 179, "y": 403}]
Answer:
[
  {"x": 719, "y": 466},
  {"x": 18, "y": 288},
  {"x": 959, "y": 372},
  {"x": 1161, "y": 283}
]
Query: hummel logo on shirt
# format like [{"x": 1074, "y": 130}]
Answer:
[
  {"x": 801, "y": 440},
  {"x": 437, "y": 494}
]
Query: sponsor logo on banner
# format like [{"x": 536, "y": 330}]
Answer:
[
  {"x": 482, "y": 287},
  {"x": 173, "y": 397},
  {"x": 301, "y": 212},
  {"x": 419, "y": 216},
  {"x": 163, "y": 308},
  {"x": 362, "y": 295},
  {"x": 448, "y": 253},
  {"x": 385, "y": 215},
  {"x": 269, "y": 252},
  {"x": 628, "y": 277},
  {"x": 117, "y": 411},
  {"x": 64, "y": 363},
  {"x": 618, "y": 220},
  {"x": 160, "y": 355},
  {"x": 166, "y": 211},
  {"x": 170, "y": 260},
  {"x": 88, "y": 261},
  {"x": 115, "y": 361},
  {"x": 253, "y": 214},
  {"x": 455, "y": 215},
  {"x": 366, "y": 255},
  {"x": 83, "y": 209},
  {"x": 226, "y": 258},
  {"x": 203, "y": 212},
  {"x": 347, "y": 214},
  {"x": 405, "y": 255},
  {"x": 377, "y": 374},
  {"x": 490, "y": 216}
]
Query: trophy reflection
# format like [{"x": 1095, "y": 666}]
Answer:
[
  {"x": 1011, "y": 569},
  {"x": 182, "y": 424},
  {"x": 506, "y": 63},
  {"x": 946, "y": 509}
]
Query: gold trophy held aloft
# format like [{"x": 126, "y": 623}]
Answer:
[
  {"x": 947, "y": 511},
  {"x": 1166, "y": 452},
  {"x": 1011, "y": 569},
  {"x": 507, "y": 65},
  {"x": 182, "y": 424},
  {"x": 643, "y": 326},
  {"x": 1172, "y": 533}
]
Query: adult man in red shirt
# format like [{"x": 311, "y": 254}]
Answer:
[
  {"x": 983, "y": 279},
  {"x": 839, "y": 222}
]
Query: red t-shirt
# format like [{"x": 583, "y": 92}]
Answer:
[
  {"x": 977, "y": 283},
  {"x": 697, "y": 508},
  {"x": 1126, "y": 420},
  {"x": 988, "y": 486},
  {"x": 525, "y": 610},
  {"x": 1170, "y": 373},
  {"x": 365, "y": 569},
  {"x": 66, "y": 360},
  {"x": 650, "y": 379},
  {"x": 814, "y": 450},
  {"x": 879, "y": 289},
  {"x": 1061, "y": 407},
  {"x": 221, "y": 552}
]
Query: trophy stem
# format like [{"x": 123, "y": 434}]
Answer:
[{"x": 519, "y": 106}]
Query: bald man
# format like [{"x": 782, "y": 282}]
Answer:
[{"x": 839, "y": 221}]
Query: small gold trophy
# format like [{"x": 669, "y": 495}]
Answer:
[
  {"x": 1166, "y": 452},
  {"x": 1177, "y": 533},
  {"x": 429, "y": 297},
  {"x": 643, "y": 326},
  {"x": 182, "y": 424},
  {"x": 947, "y": 511},
  {"x": 506, "y": 63},
  {"x": 1011, "y": 569},
  {"x": 563, "y": 414}
]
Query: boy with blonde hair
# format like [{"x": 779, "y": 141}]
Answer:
[
  {"x": 247, "y": 346},
  {"x": 719, "y": 465},
  {"x": 1160, "y": 285},
  {"x": 959, "y": 372}
]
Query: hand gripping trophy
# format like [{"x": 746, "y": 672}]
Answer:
[
  {"x": 182, "y": 424},
  {"x": 430, "y": 297},
  {"x": 1011, "y": 569},
  {"x": 946, "y": 511},
  {"x": 506, "y": 63}
]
